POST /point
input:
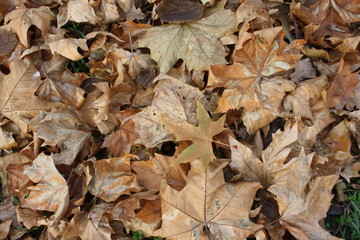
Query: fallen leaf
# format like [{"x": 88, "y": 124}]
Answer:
[
  {"x": 180, "y": 11},
  {"x": 178, "y": 104},
  {"x": 17, "y": 91},
  {"x": 201, "y": 136},
  {"x": 113, "y": 178},
  {"x": 22, "y": 18},
  {"x": 10, "y": 41},
  {"x": 342, "y": 86},
  {"x": 68, "y": 48},
  {"x": 303, "y": 70},
  {"x": 5, "y": 228},
  {"x": 51, "y": 192},
  {"x": 207, "y": 209},
  {"x": 271, "y": 167},
  {"x": 85, "y": 226},
  {"x": 62, "y": 129},
  {"x": 196, "y": 43},
  {"x": 76, "y": 11}
]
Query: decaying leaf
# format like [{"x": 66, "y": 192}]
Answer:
[
  {"x": 22, "y": 18},
  {"x": 196, "y": 43},
  {"x": 207, "y": 208},
  {"x": 51, "y": 192},
  {"x": 68, "y": 48},
  {"x": 201, "y": 136},
  {"x": 113, "y": 178},
  {"x": 64, "y": 130},
  {"x": 271, "y": 167}
]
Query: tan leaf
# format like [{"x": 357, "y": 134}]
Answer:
[
  {"x": 51, "y": 192},
  {"x": 6, "y": 140},
  {"x": 300, "y": 214},
  {"x": 152, "y": 171},
  {"x": 303, "y": 70},
  {"x": 5, "y": 228},
  {"x": 62, "y": 128},
  {"x": 22, "y": 18},
  {"x": 30, "y": 218},
  {"x": 351, "y": 171},
  {"x": 342, "y": 86},
  {"x": 113, "y": 178},
  {"x": 196, "y": 43},
  {"x": 68, "y": 48},
  {"x": 241, "y": 80},
  {"x": 177, "y": 104},
  {"x": 207, "y": 207},
  {"x": 9, "y": 41},
  {"x": 271, "y": 166},
  {"x": 17, "y": 89},
  {"x": 201, "y": 136},
  {"x": 87, "y": 226},
  {"x": 77, "y": 11}
]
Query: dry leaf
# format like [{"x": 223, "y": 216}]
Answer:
[
  {"x": 86, "y": 226},
  {"x": 9, "y": 41},
  {"x": 196, "y": 43},
  {"x": 68, "y": 48},
  {"x": 113, "y": 178},
  {"x": 201, "y": 136},
  {"x": 62, "y": 128},
  {"x": 342, "y": 86},
  {"x": 77, "y": 11},
  {"x": 180, "y": 11},
  {"x": 272, "y": 166},
  {"x": 51, "y": 192},
  {"x": 22, "y": 18},
  {"x": 207, "y": 209},
  {"x": 303, "y": 70}
]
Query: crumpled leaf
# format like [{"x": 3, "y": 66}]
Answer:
[
  {"x": 201, "y": 136},
  {"x": 196, "y": 43},
  {"x": 207, "y": 209},
  {"x": 177, "y": 104},
  {"x": 342, "y": 86},
  {"x": 76, "y": 11},
  {"x": 9, "y": 42},
  {"x": 51, "y": 192},
  {"x": 22, "y": 18},
  {"x": 303, "y": 70},
  {"x": 271, "y": 167},
  {"x": 113, "y": 178},
  {"x": 259, "y": 54},
  {"x": 180, "y": 11},
  {"x": 68, "y": 48},
  {"x": 89, "y": 225},
  {"x": 300, "y": 210},
  {"x": 62, "y": 128}
]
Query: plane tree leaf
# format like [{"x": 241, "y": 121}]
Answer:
[
  {"x": 22, "y": 18},
  {"x": 197, "y": 43},
  {"x": 51, "y": 192},
  {"x": 207, "y": 207},
  {"x": 201, "y": 136}
]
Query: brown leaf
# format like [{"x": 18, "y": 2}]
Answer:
[
  {"x": 5, "y": 228},
  {"x": 303, "y": 70},
  {"x": 22, "y": 18},
  {"x": 17, "y": 90},
  {"x": 254, "y": 58},
  {"x": 87, "y": 226},
  {"x": 342, "y": 86},
  {"x": 180, "y": 11},
  {"x": 201, "y": 136},
  {"x": 9, "y": 42},
  {"x": 62, "y": 128},
  {"x": 207, "y": 207},
  {"x": 113, "y": 178},
  {"x": 77, "y": 11},
  {"x": 178, "y": 104},
  {"x": 69, "y": 48},
  {"x": 271, "y": 168},
  {"x": 51, "y": 192}
]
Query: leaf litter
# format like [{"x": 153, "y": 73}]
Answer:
[{"x": 206, "y": 119}]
